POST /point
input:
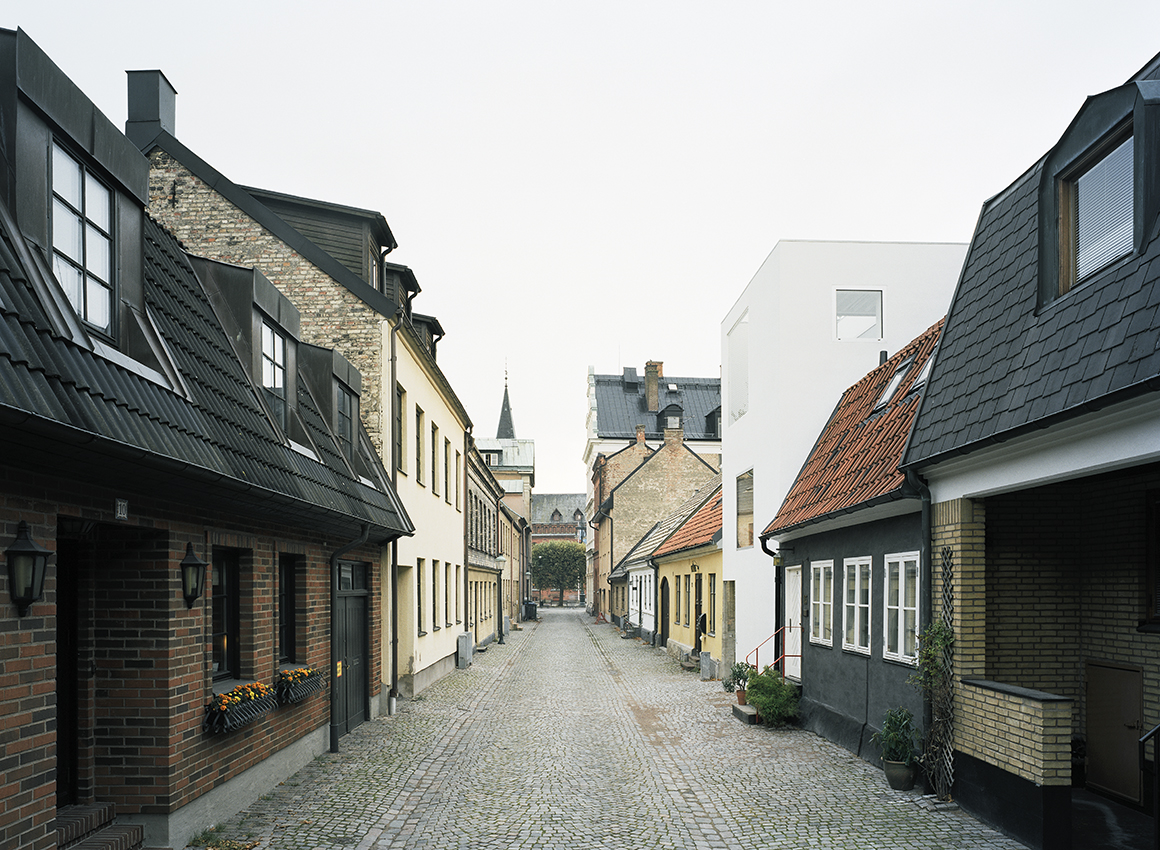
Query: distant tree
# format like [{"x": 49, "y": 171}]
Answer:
[{"x": 559, "y": 564}]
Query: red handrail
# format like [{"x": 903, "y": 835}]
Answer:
[{"x": 779, "y": 662}]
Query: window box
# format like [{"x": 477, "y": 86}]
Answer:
[
  {"x": 230, "y": 711},
  {"x": 297, "y": 684}
]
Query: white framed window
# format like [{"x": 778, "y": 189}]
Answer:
[
  {"x": 892, "y": 387},
  {"x": 856, "y": 605},
  {"x": 822, "y": 602},
  {"x": 274, "y": 370},
  {"x": 900, "y": 615},
  {"x": 858, "y": 313},
  {"x": 82, "y": 241}
]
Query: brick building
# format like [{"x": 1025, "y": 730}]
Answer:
[{"x": 140, "y": 440}]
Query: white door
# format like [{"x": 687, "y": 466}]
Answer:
[{"x": 793, "y": 623}]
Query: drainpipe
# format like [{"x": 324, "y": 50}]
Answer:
[
  {"x": 925, "y": 608},
  {"x": 778, "y": 601},
  {"x": 393, "y": 694},
  {"x": 334, "y": 662}
]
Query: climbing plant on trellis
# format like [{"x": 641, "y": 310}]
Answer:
[{"x": 934, "y": 676}]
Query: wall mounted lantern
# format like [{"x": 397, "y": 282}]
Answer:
[
  {"x": 26, "y": 565},
  {"x": 192, "y": 576}
]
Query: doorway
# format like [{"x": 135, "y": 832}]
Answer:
[
  {"x": 351, "y": 631},
  {"x": 697, "y": 630},
  {"x": 1115, "y": 722},
  {"x": 664, "y": 612}
]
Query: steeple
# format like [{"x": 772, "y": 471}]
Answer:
[{"x": 506, "y": 430}]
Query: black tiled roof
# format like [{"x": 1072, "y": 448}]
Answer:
[
  {"x": 621, "y": 406},
  {"x": 1003, "y": 367},
  {"x": 65, "y": 409}
]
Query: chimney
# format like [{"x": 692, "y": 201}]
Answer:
[
  {"x": 640, "y": 433},
  {"x": 883, "y": 356},
  {"x": 152, "y": 106},
  {"x": 674, "y": 436},
  {"x": 653, "y": 372}
]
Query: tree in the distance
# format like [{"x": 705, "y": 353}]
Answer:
[{"x": 559, "y": 564}]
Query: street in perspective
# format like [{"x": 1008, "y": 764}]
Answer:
[{"x": 570, "y": 736}]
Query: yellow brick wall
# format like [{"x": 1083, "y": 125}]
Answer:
[{"x": 1027, "y": 737}]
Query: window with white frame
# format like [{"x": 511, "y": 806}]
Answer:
[
  {"x": 82, "y": 241},
  {"x": 821, "y": 602},
  {"x": 858, "y": 313},
  {"x": 900, "y": 621},
  {"x": 274, "y": 371},
  {"x": 856, "y": 605}
]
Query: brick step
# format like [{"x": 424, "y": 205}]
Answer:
[{"x": 91, "y": 827}]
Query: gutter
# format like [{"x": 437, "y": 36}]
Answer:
[
  {"x": 778, "y": 600},
  {"x": 334, "y": 661}
]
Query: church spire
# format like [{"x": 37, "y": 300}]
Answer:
[{"x": 506, "y": 429}]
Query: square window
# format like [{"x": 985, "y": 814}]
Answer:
[{"x": 858, "y": 313}]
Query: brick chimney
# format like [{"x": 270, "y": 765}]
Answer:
[
  {"x": 653, "y": 371},
  {"x": 152, "y": 106},
  {"x": 640, "y": 433}
]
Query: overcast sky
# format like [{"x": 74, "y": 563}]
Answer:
[{"x": 594, "y": 183}]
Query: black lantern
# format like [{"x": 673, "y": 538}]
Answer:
[
  {"x": 26, "y": 562},
  {"x": 192, "y": 576}
]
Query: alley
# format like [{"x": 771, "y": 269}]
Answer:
[{"x": 568, "y": 736}]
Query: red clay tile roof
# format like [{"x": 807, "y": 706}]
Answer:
[
  {"x": 698, "y": 530},
  {"x": 855, "y": 460}
]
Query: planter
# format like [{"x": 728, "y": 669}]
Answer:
[
  {"x": 900, "y": 775},
  {"x": 218, "y": 721},
  {"x": 741, "y": 696},
  {"x": 292, "y": 690}
]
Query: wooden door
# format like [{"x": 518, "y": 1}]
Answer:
[
  {"x": 793, "y": 623},
  {"x": 1115, "y": 722}
]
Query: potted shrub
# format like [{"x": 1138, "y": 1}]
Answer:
[
  {"x": 774, "y": 697},
  {"x": 736, "y": 680},
  {"x": 897, "y": 741}
]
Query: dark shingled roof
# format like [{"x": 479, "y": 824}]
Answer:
[
  {"x": 621, "y": 405},
  {"x": 66, "y": 410},
  {"x": 854, "y": 462}
]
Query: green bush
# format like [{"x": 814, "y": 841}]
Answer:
[{"x": 775, "y": 699}]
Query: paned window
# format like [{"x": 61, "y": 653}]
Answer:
[
  {"x": 287, "y": 608},
  {"x": 227, "y": 599},
  {"x": 677, "y": 607},
  {"x": 1097, "y": 213},
  {"x": 448, "y": 589},
  {"x": 435, "y": 596},
  {"x": 345, "y": 414},
  {"x": 418, "y": 445},
  {"x": 82, "y": 240},
  {"x": 901, "y": 607},
  {"x": 856, "y": 605},
  {"x": 274, "y": 371},
  {"x": 419, "y": 577},
  {"x": 688, "y": 597},
  {"x": 858, "y": 313},
  {"x": 400, "y": 406},
  {"x": 712, "y": 603},
  {"x": 447, "y": 471},
  {"x": 434, "y": 459},
  {"x": 821, "y": 602}
]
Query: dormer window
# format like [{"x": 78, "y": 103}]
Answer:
[
  {"x": 1096, "y": 211},
  {"x": 672, "y": 422},
  {"x": 82, "y": 243},
  {"x": 274, "y": 371},
  {"x": 345, "y": 414}
]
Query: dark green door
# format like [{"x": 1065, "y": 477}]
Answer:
[{"x": 351, "y": 632}]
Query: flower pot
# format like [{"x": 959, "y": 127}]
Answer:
[
  {"x": 296, "y": 691},
  {"x": 218, "y": 722},
  {"x": 741, "y": 696},
  {"x": 899, "y": 775}
]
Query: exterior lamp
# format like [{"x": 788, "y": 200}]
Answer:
[
  {"x": 501, "y": 562},
  {"x": 192, "y": 576},
  {"x": 26, "y": 564}
]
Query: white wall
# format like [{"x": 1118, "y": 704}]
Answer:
[{"x": 798, "y": 369}]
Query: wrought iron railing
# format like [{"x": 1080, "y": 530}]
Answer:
[
  {"x": 753, "y": 659},
  {"x": 1154, "y": 737}
]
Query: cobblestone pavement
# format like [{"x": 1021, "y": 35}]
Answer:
[{"x": 570, "y": 737}]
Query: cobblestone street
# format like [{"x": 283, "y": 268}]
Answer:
[{"x": 570, "y": 737}]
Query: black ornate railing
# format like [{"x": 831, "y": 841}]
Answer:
[{"x": 1154, "y": 737}]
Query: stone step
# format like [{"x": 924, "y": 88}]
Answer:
[
  {"x": 746, "y": 714},
  {"x": 91, "y": 827}
]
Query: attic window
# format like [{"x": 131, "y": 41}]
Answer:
[
  {"x": 672, "y": 388},
  {"x": 1096, "y": 209},
  {"x": 346, "y": 408},
  {"x": 274, "y": 371},
  {"x": 922, "y": 374},
  {"x": 82, "y": 244},
  {"x": 672, "y": 422},
  {"x": 892, "y": 387}
]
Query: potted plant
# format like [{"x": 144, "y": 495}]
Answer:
[
  {"x": 774, "y": 696},
  {"x": 738, "y": 676},
  {"x": 897, "y": 741},
  {"x": 235, "y": 708}
]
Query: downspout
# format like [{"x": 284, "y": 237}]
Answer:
[
  {"x": 925, "y": 609},
  {"x": 778, "y": 601},
  {"x": 656, "y": 601},
  {"x": 334, "y": 662},
  {"x": 393, "y": 694},
  {"x": 468, "y": 441}
]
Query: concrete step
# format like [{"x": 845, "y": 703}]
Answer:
[
  {"x": 91, "y": 827},
  {"x": 746, "y": 714}
]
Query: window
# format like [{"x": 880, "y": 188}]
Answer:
[
  {"x": 447, "y": 590},
  {"x": 274, "y": 371},
  {"x": 677, "y": 607},
  {"x": 738, "y": 387},
  {"x": 419, "y": 595},
  {"x": 447, "y": 471},
  {"x": 418, "y": 445},
  {"x": 712, "y": 603},
  {"x": 672, "y": 422},
  {"x": 344, "y": 420},
  {"x": 458, "y": 461},
  {"x": 901, "y": 603},
  {"x": 688, "y": 597},
  {"x": 227, "y": 598},
  {"x": 82, "y": 241},
  {"x": 856, "y": 605},
  {"x": 400, "y": 439},
  {"x": 858, "y": 313},
  {"x": 821, "y": 602},
  {"x": 435, "y": 596},
  {"x": 434, "y": 459},
  {"x": 1096, "y": 212},
  {"x": 923, "y": 373},
  {"x": 892, "y": 387},
  {"x": 287, "y": 604},
  {"x": 745, "y": 509}
]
